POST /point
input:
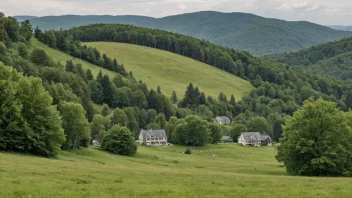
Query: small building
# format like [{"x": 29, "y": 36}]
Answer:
[
  {"x": 95, "y": 143},
  {"x": 222, "y": 120},
  {"x": 250, "y": 139},
  {"x": 226, "y": 139},
  {"x": 153, "y": 137},
  {"x": 265, "y": 140}
]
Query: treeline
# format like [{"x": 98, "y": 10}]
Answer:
[
  {"x": 55, "y": 39},
  {"x": 333, "y": 59},
  {"x": 313, "y": 54}
]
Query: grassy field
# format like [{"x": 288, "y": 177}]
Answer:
[
  {"x": 213, "y": 171},
  {"x": 173, "y": 72},
  {"x": 63, "y": 57}
]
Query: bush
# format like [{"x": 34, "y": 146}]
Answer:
[
  {"x": 188, "y": 151},
  {"x": 120, "y": 140}
]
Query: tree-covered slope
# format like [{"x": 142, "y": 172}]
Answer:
[
  {"x": 173, "y": 72},
  {"x": 332, "y": 58},
  {"x": 62, "y": 57},
  {"x": 248, "y": 32}
]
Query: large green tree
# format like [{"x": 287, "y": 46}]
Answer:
[
  {"x": 317, "y": 141},
  {"x": 215, "y": 133},
  {"x": 194, "y": 132},
  {"x": 76, "y": 126},
  {"x": 28, "y": 120},
  {"x": 120, "y": 140}
]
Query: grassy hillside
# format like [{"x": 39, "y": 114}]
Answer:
[
  {"x": 333, "y": 59},
  {"x": 63, "y": 57},
  {"x": 214, "y": 171},
  {"x": 242, "y": 31},
  {"x": 173, "y": 72}
]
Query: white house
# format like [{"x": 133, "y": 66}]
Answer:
[
  {"x": 254, "y": 139},
  {"x": 95, "y": 143},
  {"x": 222, "y": 120},
  {"x": 226, "y": 139},
  {"x": 153, "y": 137},
  {"x": 250, "y": 139}
]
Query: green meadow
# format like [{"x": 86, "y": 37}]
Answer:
[
  {"x": 212, "y": 171},
  {"x": 173, "y": 72}
]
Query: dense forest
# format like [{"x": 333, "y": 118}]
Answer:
[
  {"x": 279, "y": 89},
  {"x": 333, "y": 59},
  {"x": 248, "y": 32},
  {"x": 80, "y": 107}
]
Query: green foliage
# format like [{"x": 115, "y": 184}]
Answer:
[
  {"x": 236, "y": 131},
  {"x": 317, "y": 141},
  {"x": 76, "y": 126},
  {"x": 97, "y": 126},
  {"x": 259, "y": 124},
  {"x": 160, "y": 121},
  {"x": 188, "y": 151},
  {"x": 28, "y": 122},
  {"x": 139, "y": 99},
  {"x": 332, "y": 59},
  {"x": 118, "y": 117},
  {"x": 26, "y": 29},
  {"x": 174, "y": 98},
  {"x": 40, "y": 57},
  {"x": 105, "y": 110},
  {"x": 216, "y": 133},
  {"x": 120, "y": 140},
  {"x": 204, "y": 112},
  {"x": 194, "y": 132},
  {"x": 153, "y": 126}
]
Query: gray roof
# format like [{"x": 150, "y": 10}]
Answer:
[
  {"x": 223, "y": 117},
  {"x": 226, "y": 138},
  {"x": 153, "y": 133},
  {"x": 251, "y": 136},
  {"x": 265, "y": 138}
]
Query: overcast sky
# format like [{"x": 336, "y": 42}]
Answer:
[{"x": 327, "y": 12}]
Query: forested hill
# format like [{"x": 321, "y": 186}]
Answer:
[
  {"x": 247, "y": 32},
  {"x": 332, "y": 58}
]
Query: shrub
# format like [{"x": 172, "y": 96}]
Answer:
[{"x": 188, "y": 151}]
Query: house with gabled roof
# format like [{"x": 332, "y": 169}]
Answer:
[
  {"x": 250, "y": 139},
  {"x": 153, "y": 137},
  {"x": 254, "y": 139},
  {"x": 265, "y": 140},
  {"x": 222, "y": 120},
  {"x": 226, "y": 139}
]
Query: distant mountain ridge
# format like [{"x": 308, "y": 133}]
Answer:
[
  {"x": 248, "y": 32},
  {"x": 341, "y": 27},
  {"x": 24, "y": 17}
]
